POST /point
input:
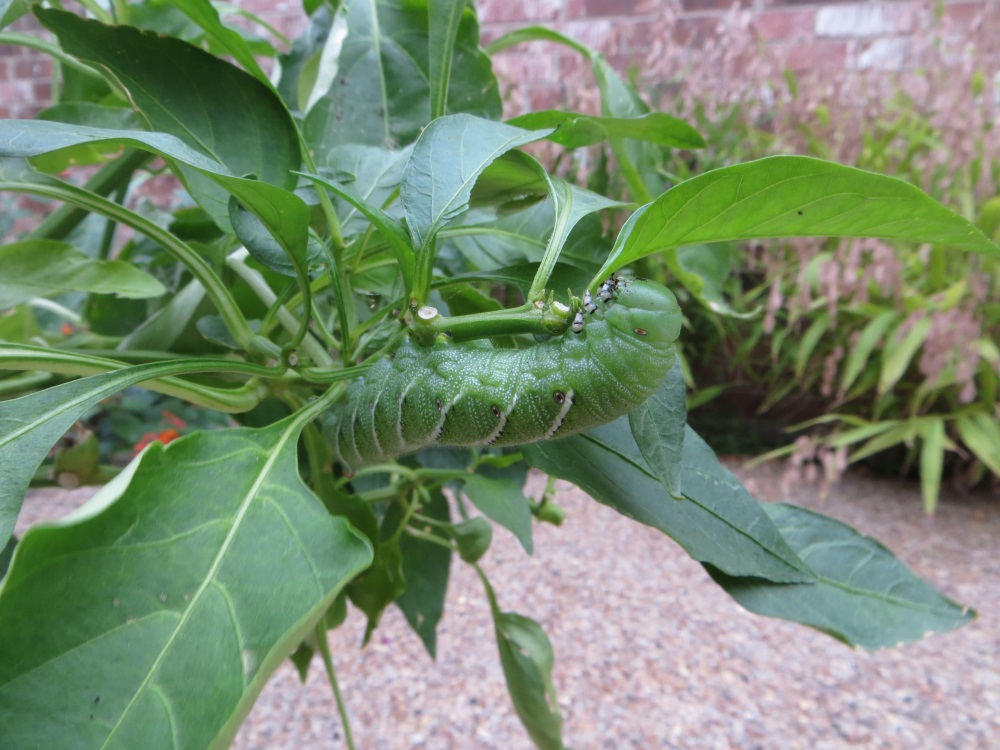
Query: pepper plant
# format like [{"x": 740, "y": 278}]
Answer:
[{"x": 323, "y": 209}]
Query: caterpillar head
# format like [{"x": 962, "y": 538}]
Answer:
[{"x": 646, "y": 310}]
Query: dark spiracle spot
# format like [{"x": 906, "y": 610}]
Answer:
[
  {"x": 437, "y": 403},
  {"x": 800, "y": 213},
  {"x": 559, "y": 396},
  {"x": 640, "y": 331},
  {"x": 496, "y": 411}
]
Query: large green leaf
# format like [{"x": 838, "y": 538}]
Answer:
[
  {"x": 30, "y": 425},
  {"x": 382, "y": 93},
  {"x": 425, "y": 569},
  {"x": 716, "y": 522},
  {"x": 791, "y": 196},
  {"x": 451, "y": 153},
  {"x": 205, "y": 101},
  {"x": 36, "y": 268},
  {"x": 863, "y": 594},
  {"x": 156, "y": 622}
]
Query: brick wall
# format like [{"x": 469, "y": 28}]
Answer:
[{"x": 806, "y": 35}]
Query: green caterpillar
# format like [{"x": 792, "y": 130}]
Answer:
[{"x": 606, "y": 364}]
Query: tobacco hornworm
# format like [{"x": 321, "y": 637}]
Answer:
[{"x": 613, "y": 356}]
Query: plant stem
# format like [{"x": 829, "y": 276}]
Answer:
[
  {"x": 265, "y": 294},
  {"x": 538, "y": 318},
  {"x": 324, "y": 650},
  {"x": 180, "y": 250},
  {"x": 334, "y": 250},
  {"x": 108, "y": 178}
]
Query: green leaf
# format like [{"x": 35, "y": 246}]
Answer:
[
  {"x": 37, "y": 268},
  {"x": 809, "y": 342},
  {"x": 473, "y": 538},
  {"x": 791, "y": 196},
  {"x": 390, "y": 229},
  {"x": 899, "y": 352},
  {"x": 379, "y": 586},
  {"x": 203, "y": 13},
  {"x": 289, "y": 257},
  {"x": 382, "y": 95},
  {"x": 717, "y": 522},
  {"x": 444, "y": 17},
  {"x": 527, "y": 659},
  {"x": 860, "y": 354},
  {"x": 30, "y": 425},
  {"x": 284, "y": 214},
  {"x": 369, "y": 174},
  {"x": 11, "y": 10},
  {"x": 450, "y": 154},
  {"x": 205, "y": 101},
  {"x": 658, "y": 429},
  {"x": 981, "y": 434},
  {"x": 863, "y": 596},
  {"x": 503, "y": 501},
  {"x": 931, "y": 462},
  {"x": 703, "y": 270},
  {"x": 575, "y": 130},
  {"x": 425, "y": 570},
  {"x": 181, "y": 597}
]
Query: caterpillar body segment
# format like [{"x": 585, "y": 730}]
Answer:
[{"x": 475, "y": 394}]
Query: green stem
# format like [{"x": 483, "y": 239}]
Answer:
[
  {"x": 423, "y": 272},
  {"x": 564, "y": 211},
  {"x": 49, "y": 48},
  {"x": 41, "y": 303},
  {"x": 180, "y": 250},
  {"x": 258, "y": 284},
  {"x": 334, "y": 250},
  {"x": 538, "y": 318},
  {"x": 324, "y": 650},
  {"x": 160, "y": 379},
  {"x": 637, "y": 188},
  {"x": 432, "y": 538},
  {"x": 108, "y": 178}
]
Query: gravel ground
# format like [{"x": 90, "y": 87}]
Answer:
[{"x": 651, "y": 654}]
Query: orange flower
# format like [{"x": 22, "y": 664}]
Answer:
[
  {"x": 163, "y": 436},
  {"x": 173, "y": 419}
]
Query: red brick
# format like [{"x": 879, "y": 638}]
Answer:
[
  {"x": 700, "y": 6},
  {"x": 784, "y": 3},
  {"x": 964, "y": 14},
  {"x": 42, "y": 91},
  {"x": 695, "y": 31},
  {"x": 615, "y": 8},
  {"x": 506, "y": 11},
  {"x": 785, "y": 25},
  {"x": 803, "y": 57},
  {"x": 33, "y": 66}
]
